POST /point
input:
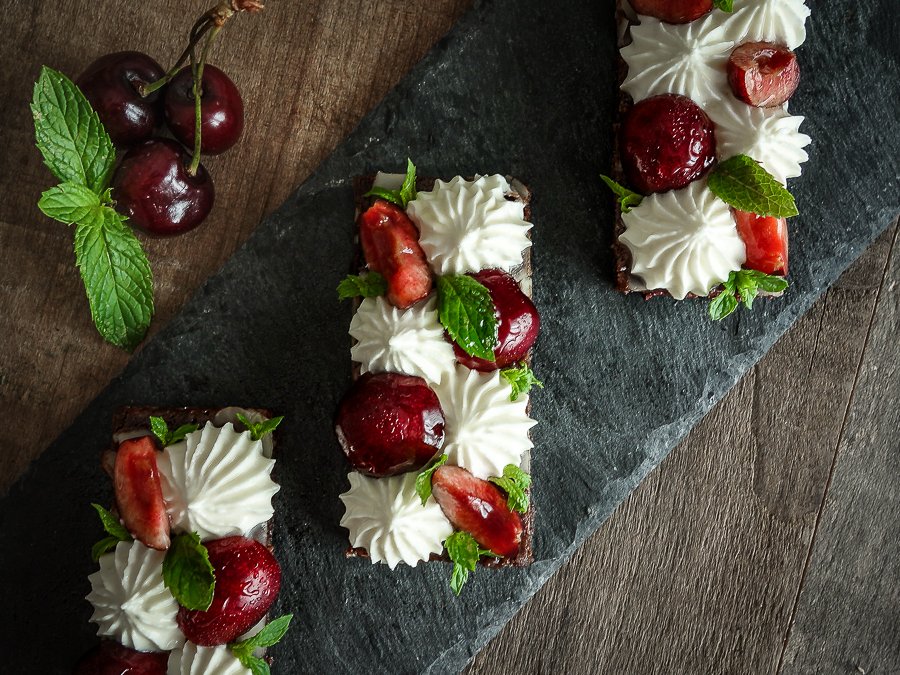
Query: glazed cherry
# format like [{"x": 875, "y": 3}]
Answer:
[
  {"x": 221, "y": 110},
  {"x": 111, "y": 658},
  {"x": 667, "y": 141},
  {"x": 478, "y": 507},
  {"x": 390, "y": 243},
  {"x": 111, "y": 86},
  {"x": 763, "y": 74},
  {"x": 389, "y": 424},
  {"x": 248, "y": 578},
  {"x": 518, "y": 322},
  {"x": 766, "y": 239},
  {"x": 153, "y": 187},
  {"x": 139, "y": 494},
  {"x": 673, "y": 11}
]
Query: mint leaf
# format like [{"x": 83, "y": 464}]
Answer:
[
  {"x": 742, "y": 183},
  {"x": 404, "y": 195},
  {"x": 466, "y": 310},
  {"x": 259, "y": 429},
  {"x": 103, "y": 547},
  {"x": 464, "y": 551},
  {"x": 161, "y": 430},
  {"x": 75, "y": 146},
  {"x": 181, "y": 432},
  {"x": 271, "y": 634},
  {"x": 111, "y": 524},
  {"x": 367, "y": 286},
  {"x": 514, "y": 482},
  {"x": 521, "y": 378},
  {"x": 116, "y": 276},
  {"x": 188, "y": 573},
  {"x": 742, "y": 286},
  {"x": 69, "y": 203},
  {"x": 423, "y": 480},
  {"x": 724, "y": 5},
  {"x": 627, "y": 198}
]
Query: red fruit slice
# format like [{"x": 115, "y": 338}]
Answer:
[
  {"x": 673, "y": 11},
  {"x": 248, "y": 579},
  {"x": 763, "y": 74},
  {"x": 766, "y": 239},
  {"x": 667, "y": 141},
  {"x": 139, "y": 493},
  {"x": 111, "y": 658},
  {"x": 389, "y": 424},
  {"x": 518, "y": 322},
  {"x": 390, "y": 242},
  {"x": 479, "y": 508}
]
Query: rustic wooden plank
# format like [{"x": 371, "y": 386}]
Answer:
[
  {"x": 848, "y": 615},
  {"x": 308, "y": 72},
  {"x": 699, "y": 569}
]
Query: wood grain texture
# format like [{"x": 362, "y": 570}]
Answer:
[
  {"x": 308, "y": 71},
  {"x": 699, "y": 570}
]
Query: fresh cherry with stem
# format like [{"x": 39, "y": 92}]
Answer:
[{"x": 222, "y": 110}]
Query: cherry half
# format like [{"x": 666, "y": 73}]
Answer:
[
  {"x": 111, "y": 86},
  {"x": 221, "y": 110},
  {"x": 766, "y": 239},
  {"x": 111, "y": 658},
  {"x": 154, "y": 188},
  {"x": 518, "y": 322}
]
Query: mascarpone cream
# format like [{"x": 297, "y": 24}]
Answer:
[
  {"x": 192, "y": 659},
  {"x": 782, "y": 21},
  {"x": 409, "y": 341},
  {"x": 484, "y": 430},
  {"x": 467, "y": 226},
  {"x": 769, "y": 135},
  {"x": 216, "y": 482},
  {"x": 131, "y": 603},
  {"x": 687, "y": 59},
  {"x": 684, "y": 241},
  {"x": 385, "y": 516}
]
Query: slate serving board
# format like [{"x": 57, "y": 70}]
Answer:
[{"x": 524, "y": 88}]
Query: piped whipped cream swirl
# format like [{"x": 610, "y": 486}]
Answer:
[
  {"x": 687, "y": 59},
  {"x": 193, "y": 659},
  {"x": 467, "y": 226},
  {"x": 684, "y": 241},
  {"x": 385, "y": 516},
  {"x": 484, "y": 430},
  {"x": 769, "y": 135},
  {"x": 393, "y": 340},
  {"x": 781, "y": 21},
  {"x": 216, "y": 482},
  {"x": 131, "y": 603}
]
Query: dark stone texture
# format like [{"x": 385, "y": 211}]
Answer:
[{"x": 524, "y": 88}]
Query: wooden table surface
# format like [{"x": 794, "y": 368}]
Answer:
[{"x": 767, "y": 541}]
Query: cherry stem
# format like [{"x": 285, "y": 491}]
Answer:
[{"x": 197, "y": 69}]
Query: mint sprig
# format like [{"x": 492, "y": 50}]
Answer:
[
  {"x": 79, "y": 152},
  {"x": 260, "y": 429},
  {"x": 515, "y": 483},
  {"x": 113, "y": 528},
  {"x": 405, "y": 194},
  {"x": 423, "y": 480},
  {"x": 464, "y": 551},
  {"x": 188, "y": 573},
  {"x": 466, "y": 310},
  {"x": 161, "y": 430},
  {"x": 627, "y": 198},
  {"x": 742, "y": 286},
  {"x": 369, "y": 285},
  {"x": 521, "y": 378},
  {"x": 270, "y": 635},
  {"x": 741, "y": 182},
  {"x": 724, "y": 5}
]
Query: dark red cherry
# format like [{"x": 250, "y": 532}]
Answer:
[
  {"x": 221, "y": 110},
  {"x": 518, "y": 322},
  {"x": 763, "y": 74},
  {"x": 667, "y": 141},
  {"x": 389, "y": 424},
  {"x": 477, "y": 507},
  {"x": 248, "y": 578},
  {"x": 111, "y": 86},
  {"x": 153, "y": 187},
  {"x": 673, "y": 11},
  {"x": 111, "y": 658}
]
